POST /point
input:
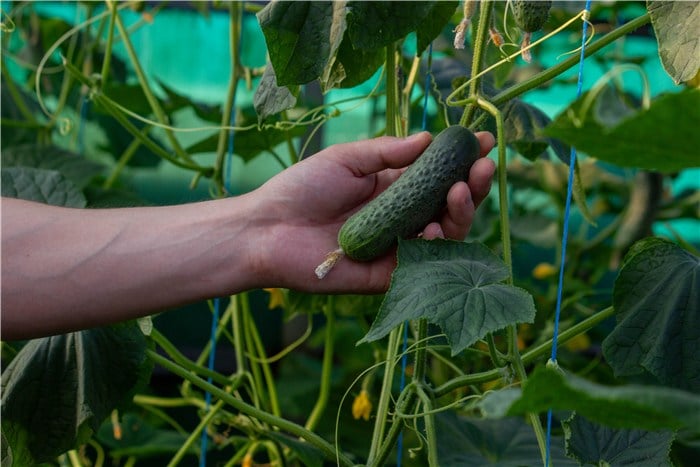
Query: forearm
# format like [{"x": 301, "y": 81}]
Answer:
[{"x": 66, "y": 269}]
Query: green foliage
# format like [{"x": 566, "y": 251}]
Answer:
[
  {"x": 57, "y": 390},
  {"x": 629, "y": 406},
  {"x": 455, "y": 285},
  {"x": 590, "y": 443},
  {"x": 662, "y": 137},
  {"x": 675, "y": 25},
  {"x": 655, "y": 298}
]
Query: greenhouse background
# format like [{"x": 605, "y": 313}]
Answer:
[{"x": 308, "y": 367}]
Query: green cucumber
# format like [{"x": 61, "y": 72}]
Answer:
[
  {"x": 530, "y": 16},
  {"x": 414, "y": 199}
]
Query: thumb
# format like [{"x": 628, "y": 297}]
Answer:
[{"x": 386, "y": 152}]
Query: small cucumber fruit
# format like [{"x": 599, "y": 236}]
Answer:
[
  {"x": 414, "y": 199},
  {"x": 530, "y": 16}
]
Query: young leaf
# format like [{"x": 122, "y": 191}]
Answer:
[
  {"x": 663, "y": 137},
  {"x": 630, "y": 406},
  {"x": 301, "y": 37},
  {"x": 270, "y": 99},
  {"x": 473, "y": 442},
  {"x": 44, "y": 186},
  {"x": 657, "y": 301},
  {"x": 455, "y": 285},
  {"x": 591, "y": 443},
  {"x": 57, "y": 390},
  {"x": 523, "y": 131},
  {"x": 676, "y": 28}
]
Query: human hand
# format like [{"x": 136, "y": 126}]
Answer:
[{"x": 309, "y": 202}]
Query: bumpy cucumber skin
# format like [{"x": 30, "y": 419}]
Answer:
[
  {"x": 530, "y": 16},
  {"x": 414, "y": 199}
]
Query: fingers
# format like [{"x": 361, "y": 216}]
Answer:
[
  {"x": 486, "y": 140},
  {"x": 480, "y": 179},
  {"x": 370, "y": 156}
]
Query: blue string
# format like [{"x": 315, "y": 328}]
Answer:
[
  {"x": 404, "y": 358},
  {"x": 565, "y": 228},
  {"x": 217, "y": 300}
]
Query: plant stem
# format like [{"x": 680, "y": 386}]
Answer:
[
  {"x": 196, "y": 433},
  {"x": 221, "y": 148},
  {"x": 292, "y": 428},
  {"x": 391, "y": 89},
  {"x": 554, "y": 71},
  {"x": 183, "y": 361},
  {"x": 420, "y": 365},
  {"x": 385, "y": 396},
  {"x": 326, "y": 368},
  {"x": 405, "y": 404},
  {"x": 125, "y": 158},
  {"x": 143, "y": 81},
  {"x": 527, "y": 357},
  {"x": 429, "y": 420},
  {"x": 575, "y": 330},
  {"x": 259, "y": 349},
  {"x": 104, "y": 75},
  {"x": 480, "y": 41}
]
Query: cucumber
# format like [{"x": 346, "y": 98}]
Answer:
[
  {"x": 414, "y": 199},
  {"x": 530, "y": 16}
]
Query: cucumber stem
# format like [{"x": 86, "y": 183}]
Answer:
[{"x": 328, "y": 263}]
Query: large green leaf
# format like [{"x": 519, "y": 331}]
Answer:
[
  {"x": 631, "y": 406},
  {"x": 352, "y": 66},
  {"x": 510, "y": 442},
  {"x": 57, "y": 390},
  {"x": 663, "y": 137},
  {"x": 72, "y": 166},
  {"x": 372, "y": 25},
  {"x": 676, "y": 25},
  {"x": 302, "y": 37},
  {"x": 456, "y": 285},
  {"x": 437, "y": 18},
  {"x": 657, "y": 301},
  {"x": 42, "y": 185},
  {"x": 591, "y": 443}
]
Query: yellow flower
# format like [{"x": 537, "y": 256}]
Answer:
[
  {"x": 543, "y": 271},
  {"x": 361, "y": 406},
  {"x": 247, "y": 461},
  {"x": 276, "y": 298}
]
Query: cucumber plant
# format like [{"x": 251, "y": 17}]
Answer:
[{"x": 466, "y": 325}]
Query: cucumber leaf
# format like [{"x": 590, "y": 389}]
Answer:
[
  {"x": 473, "y": 442},
  {"x": 456, "y": 285},
  {"x": 676, "y": 29},
  {"x": 72, "y": 166},
  {"x": 591, "y": 443},
  {"x": 270, "y": 99},
  {"x": 42, "y": 185},
  {"x": 372, "y": 25},
  {"x": 302, "y": 37},
  {"x": 351, "y": 66},
  {"x": 630, "y": 406},
  {"x": 663, "y": 137},
  {"x": 657, "y": 300},
  {"x": 439, "y": 15},
  {"x": 57, "y": 390}
]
